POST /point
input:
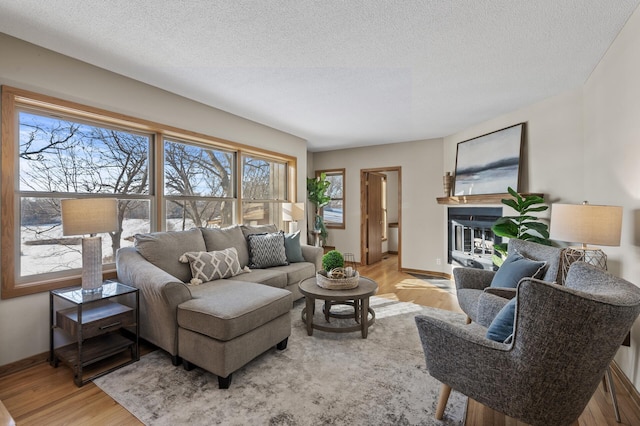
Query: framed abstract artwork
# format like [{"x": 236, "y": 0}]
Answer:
[{"x": 490, "y": 163}]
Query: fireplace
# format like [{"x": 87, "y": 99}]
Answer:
[{"x": 471, "y": 240}]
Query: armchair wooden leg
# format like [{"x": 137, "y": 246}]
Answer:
[
  {"x": 468, "y": 320},
  {"x": 445, "y": 391}
]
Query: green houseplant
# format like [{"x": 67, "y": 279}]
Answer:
[
  {"x": 317, "y": 194},
  {"x": 525, "y": 226},
  {"x": 332, "y": 259}
]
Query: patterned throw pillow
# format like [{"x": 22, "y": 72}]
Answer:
[
  {"x": 212, "y": 265},
  {"x": 266, "y": 250}
]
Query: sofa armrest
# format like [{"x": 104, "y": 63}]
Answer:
[
  {"x": 313, "y": 254},
  {"x": 160, "y": 295}
]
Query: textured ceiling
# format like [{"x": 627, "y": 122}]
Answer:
[{"x": 335, "y": 72}]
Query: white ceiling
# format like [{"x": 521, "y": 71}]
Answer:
[{"x": 338, "y": 73}]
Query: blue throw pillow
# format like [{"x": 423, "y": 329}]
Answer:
[
  {"x": 515, "y": 268},
  {"x": 292, "y": 247},
  {"x": 501, "y": 327}
]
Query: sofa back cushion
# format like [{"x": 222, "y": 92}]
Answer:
[
  {"x": 163, "y": 249},
  {"x": 258, "y": 229},
  {"x": 217, "y": 239}
]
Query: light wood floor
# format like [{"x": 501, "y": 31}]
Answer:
[{"x": 45, "y": 395}]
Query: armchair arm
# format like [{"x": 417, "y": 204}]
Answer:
[
  {"x": 313, "y": 254},
  {"x": 470, "y": 278},
  {"x": 160, "y": 295},
  {"x": 461, "y": 357},
  {"x": 504, "y": 292}
]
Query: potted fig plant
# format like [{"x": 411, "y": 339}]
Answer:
[
  {"x": 317, "y": 195},
  {"x": 525, "y": 226}
]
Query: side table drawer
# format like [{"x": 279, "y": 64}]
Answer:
[{"x": 97, "y": 319}]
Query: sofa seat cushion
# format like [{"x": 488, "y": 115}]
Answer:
[
  {"x": 297, "y": 271},
  {"x": 271, "y": 277},
  {"x": 232, "y": 308}
]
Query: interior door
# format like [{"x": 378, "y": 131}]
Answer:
[{"x": 374, "y": 217}]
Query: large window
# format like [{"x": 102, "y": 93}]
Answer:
[
  {"x": 163, "y": 178},
  {"x": 198, "y": 186},
  {"x": 333, "y": 213},
  {"x": 61, "y": 157},
  {"x": 264, "y": 189}
]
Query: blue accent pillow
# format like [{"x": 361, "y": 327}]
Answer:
[
  {"x": 501, "y": 327},
  {"x": 515, "y": 268},
  {"x": 292, "y": 247}
]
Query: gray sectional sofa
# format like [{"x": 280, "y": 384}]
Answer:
[{"x": 221, "y": 324}]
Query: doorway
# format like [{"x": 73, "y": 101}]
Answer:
[{"x": 378, "y": 211}]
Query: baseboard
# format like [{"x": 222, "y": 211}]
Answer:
[
  {"x": 23, "y": 364},
  {"x": 433, "y": 273},
  {"x": 626, "y": 383}
]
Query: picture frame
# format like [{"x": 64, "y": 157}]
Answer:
[{"x": 490, "y": 163}]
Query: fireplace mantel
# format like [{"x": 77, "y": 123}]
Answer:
[{"x": 478, "y": 199}]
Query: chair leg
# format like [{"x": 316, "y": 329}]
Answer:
[
  {"x": 612, "y": 391},
  {"x": 445, "y": 391},
  {"x": 468, "y": 320}
]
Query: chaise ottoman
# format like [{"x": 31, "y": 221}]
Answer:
[{"x": 231, "y": 325}]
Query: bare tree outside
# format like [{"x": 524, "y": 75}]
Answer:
[
  {"x": 264, "y": 186},
  {"x": 198, "y": 184},
  {"x": 60, "y": 158},
  {"x": 64, "y": 159}
]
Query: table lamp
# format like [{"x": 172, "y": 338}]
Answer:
[
  {"x": 90, "y": 216},
  {"x": 586, "y": 224},
  {"x": 292, "y": 213}
]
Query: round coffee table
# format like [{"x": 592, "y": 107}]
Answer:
[{"x": 357, "y": 297}]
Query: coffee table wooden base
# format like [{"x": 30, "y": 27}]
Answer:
[{"x": 357, "y": 298}]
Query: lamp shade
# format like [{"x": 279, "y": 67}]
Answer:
[
  {"x": 292, "y": 212},
  {"x": 586, "y": 224},
  {"x": 89, "y": 216}
]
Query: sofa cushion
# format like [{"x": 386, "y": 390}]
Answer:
[
  {"x": 163, "y": 249},
  {"x": 515, "y": 268},
  {"x": 231, "y": 309},
  {"x": 221, "y": 238},
  {"x": 212, "y": 265},
  {"x": 501, "y": 327},
  {"x": 292, "y": 247},
  {"x": 271, "y": 277},
  {"x": 258, "y": 229},
  {"x": 266, "y": 250},
  {"x": 296, "y": 272}
]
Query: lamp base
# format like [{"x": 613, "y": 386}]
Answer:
[
  {"x": 293, "y": 227},
  {"x": 91, "y": 265},
  {"x": 592, "y": 256}
]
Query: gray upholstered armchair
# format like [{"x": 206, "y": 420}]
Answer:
[
  {"x": 480, "y": 302},
  {"x": 564, "y": 339}
]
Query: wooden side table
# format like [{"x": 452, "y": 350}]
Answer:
[{"x": 94, "y": 321}]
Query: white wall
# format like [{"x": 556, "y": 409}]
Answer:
[
  {"x": 24, "y": 320},
  {"x": 612, "y": 158},
  {"x": 585, "y": 145},
  {"x": 421, "y": 181}
]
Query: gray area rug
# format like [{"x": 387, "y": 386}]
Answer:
[{"x": 324, "y": 379}]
